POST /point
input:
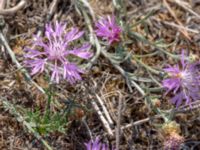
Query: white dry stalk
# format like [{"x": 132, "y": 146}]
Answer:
[
  {"x": 104, "y": 109},
  {"x": 53, "y": 7},
  {"x": 102, "y": 118},
  {"x": 139, "y": 122}
]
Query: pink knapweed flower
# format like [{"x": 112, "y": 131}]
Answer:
[
  {"x": 173, "y": 142},
  {"x": 55, "y": 52},
  {"x": 97, "y": 145},
  {"x": 108, "y": 29},
  {"x": 184, "y": 81}
]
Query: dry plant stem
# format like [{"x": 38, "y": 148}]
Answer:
[
  {"x": 192, "y": 106},
  {"x": 118, "y": 129},
  {"x": 13, "y": 10},
  {"x": 104, "y": 109},
  {"x": 139, "y": 122},
  {"x": 183, "y": 31},
  {"x": 52, "y": 9},
  {"x": 102, "y": 118},
  {"x": 180, "y": 27},
  {"x": 183, "y": 5},
  {"x": 87, "y": 127},
  {"x": 20, "y": 118},
  {"x": 171, "y": 24},
  {"x": 14, "y": 60},
  {"x": 2, "y": 4},
  {"x": 53, "y": 6}
]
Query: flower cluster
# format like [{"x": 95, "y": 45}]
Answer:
[
  {"x": 97, "y": 145},
  {"x": 108, "y": 29},
  {"x": 184, "y": 81},
  {"x": 55, "y": 52}
]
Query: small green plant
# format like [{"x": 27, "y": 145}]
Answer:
[
  {"x": 47, "y": 121},
  {"x": 50, "y": 121}
]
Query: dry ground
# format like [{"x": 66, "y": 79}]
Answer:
[{"x": 170, "y": 21}]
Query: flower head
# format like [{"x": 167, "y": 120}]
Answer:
[
  {"x": 173, "y": 142},
  {"x": 171, "y": 133},
  {"x": 53, "y": 52},
  {"x": 96, "y": 145},
  {"x": 184, "y": 81},
  {"x": 108, "y": 29}
]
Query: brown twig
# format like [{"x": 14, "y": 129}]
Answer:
[
  {"x": 183, "y": 31},
  {"x": 13, "y": 10},
  {"x": 118, "y": 129}
]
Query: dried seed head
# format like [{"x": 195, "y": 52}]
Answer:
[{"x": 170, "y": 128}]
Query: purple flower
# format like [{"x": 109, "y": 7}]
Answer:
[
  {"x": 183, "y": 81},
  {"x": 108, "y": 29},
  {"x": 173, "y": 142},
  {"x": 54, "y": 52},
  {"x": 96, "y": 145}
]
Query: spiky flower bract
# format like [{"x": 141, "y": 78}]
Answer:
[
  {"x": 184, "y": 81},
  {"x": 53, "y": 52},
  {"x": 108, "y": 29},
  {"x": 96, "y": 145}
]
